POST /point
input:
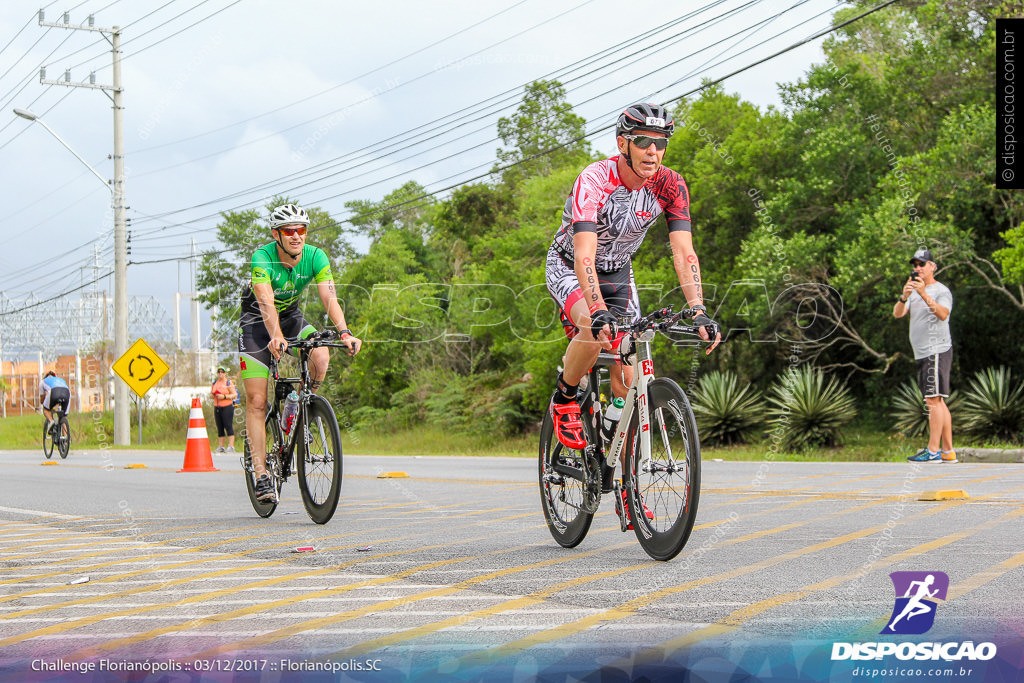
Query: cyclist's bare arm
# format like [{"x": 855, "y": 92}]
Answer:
[
  {"x": 584, "y": 246},
  {"x": 264, "y": 292},
  {"x": 687, "y": 266},
  {"x": 329, "y": 298}
]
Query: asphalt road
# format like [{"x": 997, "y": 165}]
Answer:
[{"x": 451, "y": 573}]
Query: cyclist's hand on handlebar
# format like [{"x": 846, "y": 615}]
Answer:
[
  {"x": 277, "y": 346},
  {"x": 603, "y": 327},
  {"x": 352, "y": 343},
  {"x": 708, "y": 330}
]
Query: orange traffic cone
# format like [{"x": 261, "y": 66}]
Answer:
[{"x": 197, "y": 445}]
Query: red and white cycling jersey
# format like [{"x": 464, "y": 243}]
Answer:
[{"x": 601, "y": 203}]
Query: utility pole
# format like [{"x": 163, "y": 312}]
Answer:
[{"x": 121, "y": 427}]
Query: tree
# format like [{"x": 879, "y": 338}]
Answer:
[
  {"x": 543, "y": 134},
  {"x": 407, "y": 209}
]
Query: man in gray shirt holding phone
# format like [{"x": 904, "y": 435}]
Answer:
[{"x": 929, "y": 303}]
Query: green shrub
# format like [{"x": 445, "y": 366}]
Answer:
[
  {"x": 808, "y": 410},
  {"x": 992, "y": 408},
  {"x": 909, "y": 412},
  {"x": 728, "y": 411}
]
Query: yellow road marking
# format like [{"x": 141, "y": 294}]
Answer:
[
  {"x": 630, "y": 607},
  {"x": 260, "y": 640},
  {"x": 190, "y": 550},
  {"x": 223, "y": 572}
]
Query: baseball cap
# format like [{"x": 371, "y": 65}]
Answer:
[
  {"x": 221, "y": 370},
  {"x": 922, "y": 255}
]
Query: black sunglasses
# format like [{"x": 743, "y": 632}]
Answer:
[{"x": 645, "y": 141}]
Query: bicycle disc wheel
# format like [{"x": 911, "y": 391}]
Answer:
[
  {"x": 47, "y": 442},
  {"x": 668, "y": 483},
  {"x": 63, "y": 437},
  {"x": 563, "y": 490},
  {"x": 318, "y": 460},
  {"x": 273, "y": 444}
]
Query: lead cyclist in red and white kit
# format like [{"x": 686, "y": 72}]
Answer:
[{"x": 612, "y": 205}]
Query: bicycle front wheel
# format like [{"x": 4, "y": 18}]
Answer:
[
  {"x": 273, "y": 445},
  {"x": 319, "y": 460},
  {"x": 664, "y": 489},
  {"x": 63, "y": 437},
  {"x": 47, "y": 441},
  {"x": 563, "y": 487}
]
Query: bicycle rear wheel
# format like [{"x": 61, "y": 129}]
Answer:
[
  {"x": 668, "y": 483},
  {"x": 564, "y": 489},
  {"x": 318, "y": 449},
  {"x": 63, "y": 437},
  {"x": 273, "y": 446},
  {"x": 47, "y": 441}
]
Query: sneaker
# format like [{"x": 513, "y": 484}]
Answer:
[
  {"x": 231, "y": 449},
  {"x": 568, "y": 426},
  {"x": 924, "y": 455},
  {"x": 265, "y": 490},
  {"x": 949, "y": 456},
  {"x": 220, "y": 449},
  {"x": 629, "y": 520}
]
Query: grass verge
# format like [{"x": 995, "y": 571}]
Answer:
[{"x": 863, "y": 441}]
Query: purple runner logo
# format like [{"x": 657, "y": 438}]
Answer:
[{"x": 917, "y": 594}]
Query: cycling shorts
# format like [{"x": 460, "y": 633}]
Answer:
[
  {"x": 618, "y": 289},
  {"x": 57, "y": 396},
  {"x": 254, "y": 339}
]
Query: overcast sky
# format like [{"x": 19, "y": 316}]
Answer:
[{"x": 226, "y": 98}]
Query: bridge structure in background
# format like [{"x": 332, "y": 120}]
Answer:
[{"x": 74, "y": 338}]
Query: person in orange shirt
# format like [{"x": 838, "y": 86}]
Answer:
[{"x": 224, "y": 393}]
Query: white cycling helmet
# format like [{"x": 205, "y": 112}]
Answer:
[{"x": 288, "y": 214}]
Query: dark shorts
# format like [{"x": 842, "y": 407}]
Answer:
[
  {"x": 58, "y": 396},
  {"x": 933, "y": 374},
  {"x": 253, "y": 339},
  {"x": 223, "y": 416},
  {"x": 618, "y": 289}
]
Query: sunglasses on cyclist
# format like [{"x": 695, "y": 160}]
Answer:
[
  {"x": 645, "y": 141},
  {"x": 288, "y": 232}
]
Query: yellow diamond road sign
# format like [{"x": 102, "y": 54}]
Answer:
[{"x": 140, "y": 367}]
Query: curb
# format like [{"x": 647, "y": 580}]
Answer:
[{"x": 1002, "y": 455}]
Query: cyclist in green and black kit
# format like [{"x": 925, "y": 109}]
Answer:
[{"x": 271, "y": 317}]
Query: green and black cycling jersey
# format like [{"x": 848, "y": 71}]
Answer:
[{"x": 288, "y": 283}]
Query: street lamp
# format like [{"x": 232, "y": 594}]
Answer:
[
  {"x": 26, "y": 114},
  {"x": 121, "y": 437}
]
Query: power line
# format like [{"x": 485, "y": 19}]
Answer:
[
  {"x": 453, "y": 155},
  {"x": 590, "y": 133},
  {"x": 428, "y": 134},
  {"x": 359, "y": 102},
  {"x": 333, "y": 87}
]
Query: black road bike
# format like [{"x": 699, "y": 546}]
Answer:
[
  {"x": 657, "y": 434},
  {"x": 312, "y": 446},
  {"x": 57, "y": 434}
]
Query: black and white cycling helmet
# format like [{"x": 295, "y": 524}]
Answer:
[
  {"x": 288, "y": 214},
  {"x": 644, "y": 116}
]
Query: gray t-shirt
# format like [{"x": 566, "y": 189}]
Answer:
[{"x": 928, "y": 334}]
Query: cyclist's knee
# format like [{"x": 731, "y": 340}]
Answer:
[
  {"x": 256, "y": 403},
  {"x": 319, "y": 359}
]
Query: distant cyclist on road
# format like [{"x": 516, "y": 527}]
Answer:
[
  {"x": 53, "y": 391},
  {"x": 589, "y": 270},
  {"x": 271, "y": 318}
]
